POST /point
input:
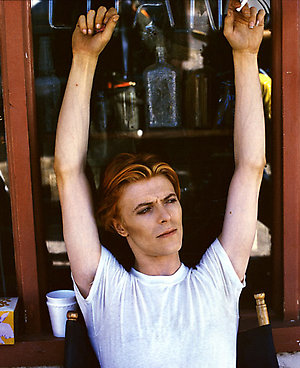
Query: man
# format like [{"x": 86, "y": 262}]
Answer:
[{"x": 160, "y": 314}]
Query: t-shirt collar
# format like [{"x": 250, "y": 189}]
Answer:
[{"x": 178, "y": 276}]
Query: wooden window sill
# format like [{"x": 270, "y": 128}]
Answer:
[
  {"x": 48, "y": 350},
  {"x": 38, "y": 350},
  {"x": 286, "y": 334}
]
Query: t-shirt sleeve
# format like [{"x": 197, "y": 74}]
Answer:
[
  {"x": 109, "y": 275},
  {"x": 216, "y": 270}
]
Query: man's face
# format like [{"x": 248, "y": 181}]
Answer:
[{"x": 151, "y": 218}]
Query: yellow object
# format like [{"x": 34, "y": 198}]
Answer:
[
  {"x": 261, "y": 310},
  {"x": 266, "y": 89},
  {"x": 7, "y": 320}
]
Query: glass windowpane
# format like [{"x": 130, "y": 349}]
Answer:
[{"x": 197, "y": 141}]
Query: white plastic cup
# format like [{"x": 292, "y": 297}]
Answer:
[{"x": 59, "y": 302}]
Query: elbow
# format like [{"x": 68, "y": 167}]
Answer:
[
  {"x": 254, "y": 167},
  {"x": 58, "y": 166},
  {"x": 59, "y": 171},
  {"x": 64, "y": 170},
  {"x": 258, "y": 165}
]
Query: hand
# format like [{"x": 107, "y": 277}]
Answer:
[
  {"x": 93, "y": 31},
  {"x": 244, "y": 29}
]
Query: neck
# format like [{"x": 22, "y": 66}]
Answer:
[{"x": 158, "y": 266}]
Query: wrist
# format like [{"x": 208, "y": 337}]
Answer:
[
  {"x": 243, "y": 55},
  {"x": 85, "y": 61},
  {"x": 245, "y": 60}
]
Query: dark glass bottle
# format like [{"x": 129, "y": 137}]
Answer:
[
  {"x": 197, "y": 99},
  {"x": 48, "y": 87},
  {"x": 226, "y": 105},
  {"x": 100, "y": 112}
]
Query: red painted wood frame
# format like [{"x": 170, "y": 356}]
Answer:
[
  {"x": 291, "y": 156},
  {"x": 286, "y": 157},
  {"x": 22, "y": 156},
  {"x": 19, "y": 105}
]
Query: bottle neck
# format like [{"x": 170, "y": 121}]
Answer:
[
  {"x": 46, "y": 66},
  {"x": 160, "y": 54}
]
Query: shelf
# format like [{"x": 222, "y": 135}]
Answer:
[
  {"x": 41, "y": 350},
  {"x": 153, "y": 134},
  {"x": 48, "y": 350},
  {"x": 285, "y": 333},
  {"x": 163, "y": 134}
]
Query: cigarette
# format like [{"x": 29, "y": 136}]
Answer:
[{"x": 243, "y": 3}]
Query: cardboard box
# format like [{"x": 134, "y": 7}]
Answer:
[{"x": 7, "y": 320}]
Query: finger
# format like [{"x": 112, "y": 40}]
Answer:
[
  {"x": 90, "y": 21},
  {"x": 260, "y": 19},
  {"x": 110, "y": 13},
  {"x": 246, "y": 11},
  {"x": 82, "y": 24},
  {"x": 110, "y": 26},
  {"x": 228, "y": 23},
  {"x": 100, "y": 16},
  {"x": 233, "y": 4},
  {"x": 252, "y": 19}
]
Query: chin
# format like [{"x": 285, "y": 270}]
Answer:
[{"x": 173, "y": 247}]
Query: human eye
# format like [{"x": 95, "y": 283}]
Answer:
[
  {"x": 172, "y": 200},
  {"x": 144, "y": 210}
]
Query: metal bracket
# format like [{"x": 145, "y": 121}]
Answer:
[
  {"x": 155, "y": 4},
  {"x": 88, "y": 8}
]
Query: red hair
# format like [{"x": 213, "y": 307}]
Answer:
[{"x": 124, "y": 169}]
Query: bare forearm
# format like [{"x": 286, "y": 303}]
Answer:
[
  {"x": 73, "y": 123},
  {"x": 249, "y": 129},
  {"x": 244, "y": 31}
]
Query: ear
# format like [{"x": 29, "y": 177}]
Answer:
[{"x": 120, "y": 228}]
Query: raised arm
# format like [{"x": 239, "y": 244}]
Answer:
[
  {"x": 90, "y": 36},
  {"x": 244, "y": 31}
]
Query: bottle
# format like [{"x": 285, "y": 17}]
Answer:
[
  {"x": 125, "y": 106},
  {"x": 261, "y": 309},
  {"x": 226, "y": 105},
  {"x": 99, "y": 121},
  {"x": 161, "y": 84},
  {"x": 48, "y": 87},
  {"x": 125, "y": 102},
  {"x": 197, "y": 99}
]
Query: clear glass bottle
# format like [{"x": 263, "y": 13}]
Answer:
[
  {"x": 125, "y": 106},
  {"x": 48, "y": 87},
  {"x": 161, "y": 82}
]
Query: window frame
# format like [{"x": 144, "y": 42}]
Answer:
[
  {"x": 25, "y": 182},
  {"x": 18, "y": 104}
]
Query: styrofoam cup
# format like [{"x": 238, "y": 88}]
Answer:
[{"x": 59, "y": 302}]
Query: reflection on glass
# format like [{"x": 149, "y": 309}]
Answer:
[{"x": 199, "y": 147}]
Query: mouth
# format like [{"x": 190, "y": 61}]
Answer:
[{"x": 167, "y": 233}]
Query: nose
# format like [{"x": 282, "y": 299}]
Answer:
[{"x": 163, "y": 215}]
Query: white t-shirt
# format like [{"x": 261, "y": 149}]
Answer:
[{"x": 186, "y": 320}]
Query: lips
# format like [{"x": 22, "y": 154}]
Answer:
[{"x": 167, "y": 233}]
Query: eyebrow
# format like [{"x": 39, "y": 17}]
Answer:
[{"x": 150, "y": 203}]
